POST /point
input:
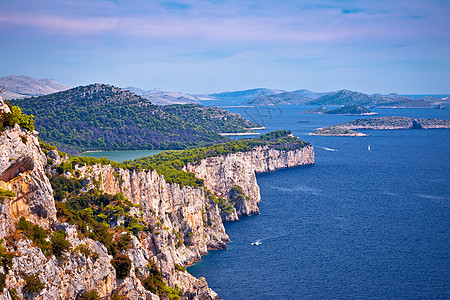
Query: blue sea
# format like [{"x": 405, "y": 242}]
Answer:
[{"x": 358, "y": 224}]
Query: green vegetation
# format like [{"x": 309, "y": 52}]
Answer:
[
  {"x": 33, "y": 284},
  {"x": 36, "y": 234},
  {"x": 336, "y": 131},
  {"x": 103, "y": 117},
  {"x": 58, "y": 244},
  {"x": 350, "y": 110},
  {"x": 212, "y": 118},
  {"x": 155, "y": 283},
  {"x": 6, "y": 194},
  {"x": 6, "y": 263},
  {"x": 16, "y": 117},
  {"x": 180, "y": 268},
  {"x": 94, "y": 211},
  {"x": 122, "y": 264},
  {"x": 13, "y": 294},
  {"x": 90, "y": 295},
  {"x": 170, "y": 163}
]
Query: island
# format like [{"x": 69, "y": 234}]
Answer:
[
  {"x": 348, "y": 110},
  {"x": 336, "y": 131},
  {"x": 381, "y": 123}
]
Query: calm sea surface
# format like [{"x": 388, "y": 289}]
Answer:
[
  {"x": 120, "y": 156},
  {"x": 358, "y": 224}
]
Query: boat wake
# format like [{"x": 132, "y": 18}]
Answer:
[
  {"x": 430, "y": 197},
  {"x": 327, "y": 149},
  {"x": 259, "y": 242},
  {"x": 305, "y": 189}
]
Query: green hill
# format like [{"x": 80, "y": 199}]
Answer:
[
  {"x": 103, "y": 117},
  {"x": 354, "y": 110}
]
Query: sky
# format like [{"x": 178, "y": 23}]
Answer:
[{"x": 205, "y": 46}]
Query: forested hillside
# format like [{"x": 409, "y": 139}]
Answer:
[{"x": 103, "y": 117}]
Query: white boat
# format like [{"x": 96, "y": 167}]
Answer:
[
  {"x": 257, "y": 243},
  {"x": 368, "y": 148}
]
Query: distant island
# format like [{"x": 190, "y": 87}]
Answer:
[
  {"x": 349, "y": 110},
  {"x": 336, "y": 131},
  {"x": 380, "y": 123}
]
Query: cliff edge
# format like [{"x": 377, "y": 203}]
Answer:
[{"x": 112, "y": 231}]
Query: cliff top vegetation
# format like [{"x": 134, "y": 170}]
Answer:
[{"x": 170, "y": 163}]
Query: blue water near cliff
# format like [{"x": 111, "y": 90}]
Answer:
[{"x": 358, "y": 224}]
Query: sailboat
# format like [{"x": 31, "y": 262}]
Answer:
[{"x": 368, "y": 148}]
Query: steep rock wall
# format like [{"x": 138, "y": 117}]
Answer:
[
  {"x": 170, "y": 210},
  {"x": 221, "y": 173},
  {"x": 22, "y": 171}
]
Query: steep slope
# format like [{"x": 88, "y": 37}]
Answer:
[
  {"x": 103, "y": 117},
  {"x": 25, "y": 86},
  {"x": 118, "y": 231}
]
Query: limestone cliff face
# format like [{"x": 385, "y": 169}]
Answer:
[
  {"x": 185, "y": 222},
  {"x": 221, "y": 173},
  {"x": 22, "y": 171}
]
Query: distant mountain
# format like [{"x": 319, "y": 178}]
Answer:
[
  {"x": 286, "y": 98},
  {"x": 235, "y": 97},
  {"x": 161, "y": 97},
  {"x": 345, "y": 97},
  {"x": 406, "y": 103},
  {"x": 103, "y": 117},
  {"x": 349, "y": 110},
  {"x": 309, "y": 94},
  {"x": 25, "y": 86}
]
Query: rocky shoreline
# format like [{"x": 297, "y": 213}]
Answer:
[{"x": 185, "y": 221}]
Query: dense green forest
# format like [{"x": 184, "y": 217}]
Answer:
[
  {"x": 170, "y": 163},
  {"x": 103, "y": 117}
]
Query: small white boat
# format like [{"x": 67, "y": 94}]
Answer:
[
  {"x": 368, "y": 148},
  {"x": 257, "y": 243}
]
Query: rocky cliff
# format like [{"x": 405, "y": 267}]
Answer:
[
  {"x": 182, "y": 222},
  {"x": 221, "y": 173},
  {"x": 22, "y": 171}
]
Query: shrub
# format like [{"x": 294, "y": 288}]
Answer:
[
  {"x": 180, "y": 268},
  {"x": 59, "y": 244},
  {"x": 90, "y": 295},
  {"x": 122, "y": 264},
  {"x": 33, "y": 284},
  {"x": 155, "y": 283},
  {"x": 2, "y": 281},
  {"x": 13, "y": 294},
  {"x": 4, "y": 194},
  {"x": 35, "y": 233},
  {"x": 16, "y": 117}
]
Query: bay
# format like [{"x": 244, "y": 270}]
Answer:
[
  {"x": 357, "y": 224},
  {"x": 120, "y": 156}
]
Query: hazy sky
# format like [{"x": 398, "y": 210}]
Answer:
[{"x": 217, "y": 45}]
